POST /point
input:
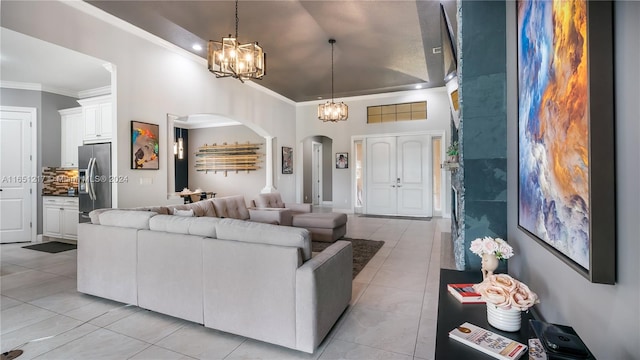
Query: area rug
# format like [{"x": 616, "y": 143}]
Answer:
[
  {"x": 51, "y": 247},
  {"x": 363, "y": 251}
]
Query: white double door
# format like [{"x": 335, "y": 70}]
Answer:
[{"x": 398, "y": 179}]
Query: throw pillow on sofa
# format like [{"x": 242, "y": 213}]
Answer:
[
  {"x": 185, "y": 213},
  {"x": 200, "y": 208}
]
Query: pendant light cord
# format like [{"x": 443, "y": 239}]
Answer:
[
  {"x": 236, "y": 20},
  {"x": 331, "y": 72},
  {"x": 332, "y": 41}
]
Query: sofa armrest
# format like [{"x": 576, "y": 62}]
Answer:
[
  {"x": 277, "y": 216},
  {"x": 304, "y": 208},
  {"x": 323, "y": 292}
]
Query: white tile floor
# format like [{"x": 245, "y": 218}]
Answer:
[{"x": 392, "y": 314}]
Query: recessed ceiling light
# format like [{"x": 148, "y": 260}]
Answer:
[
  {"x": 196, "y": 47},
  {"x": 419, "y": 86}
]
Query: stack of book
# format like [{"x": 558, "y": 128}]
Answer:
[
  {"x": 488, "y": 342},
  {"x": 465, "y": 293}
]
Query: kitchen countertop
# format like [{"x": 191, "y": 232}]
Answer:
[{"x": 61, "y": 195}]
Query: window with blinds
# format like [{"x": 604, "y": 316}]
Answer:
[{"x": 397, "y": 112}]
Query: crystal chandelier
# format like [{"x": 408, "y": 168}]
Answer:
[
  {"x": 331, "y": 111},
  {"x": 230, "y": 58}
]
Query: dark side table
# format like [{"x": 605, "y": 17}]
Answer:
[{"x": 452, "y": 313}]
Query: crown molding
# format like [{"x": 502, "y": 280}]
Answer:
[
  {"x": 270, "y": 92},
  {"x": 394, "y": 94},
  {"x": 105, "y": 90},
  {"x": 37, "y": 87}
]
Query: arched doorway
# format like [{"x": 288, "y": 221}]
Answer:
[{"x": 317, "y": 170}]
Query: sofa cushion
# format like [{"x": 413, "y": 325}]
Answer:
[
  {"x": 271, "y": 200},
  {"x": 95, "y": 215},
  {"x": 200, "y": 226},
  {"x": 231, "y": 207},
  {"x": 247, "y": 231},
  {"x": 127, "y": 218},
  {"x": 320, "y": 220},
  {"x": 200, "y": 208}
]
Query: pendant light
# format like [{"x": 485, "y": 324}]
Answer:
[
  {"x": 231, "y": 58},
  {"x": 331, "y": 111},
  {"x": 175, "y": 142},
  {"x": 180, "y": 146}
]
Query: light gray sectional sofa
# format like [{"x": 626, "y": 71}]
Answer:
[{"x": 251, "y": 279}]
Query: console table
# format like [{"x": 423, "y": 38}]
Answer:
[{"x": 452, "y": 313}]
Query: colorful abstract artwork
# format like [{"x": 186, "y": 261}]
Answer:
[
  {"x": 553, "y": 125},
  {"x": 144, "y": 146},
  {"x": 566, "y": 132}
]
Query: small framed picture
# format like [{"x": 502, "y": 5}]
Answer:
[
  {"x": 287, "y": 160},
  {"x": 144, "y": 146},
  {"x": 342, "y": 160}
]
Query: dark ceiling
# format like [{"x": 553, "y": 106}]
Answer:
[{"x": 382, "y": 46}]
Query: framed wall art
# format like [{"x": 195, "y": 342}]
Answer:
[
  {"x": 342, "y": 160},
  {"x": 566, "y": 172},
  {"x": 145, "y": 146},
  {"x": 287, "y": 160}
]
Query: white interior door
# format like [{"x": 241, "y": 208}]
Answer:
[
  {"x": 16, "y": 174},
  {"x": 413, "y": 181},
  {"x": 316, "y": 172},
  {"x": 398, "y": 176},
  {"x": 381, "y": 176}
]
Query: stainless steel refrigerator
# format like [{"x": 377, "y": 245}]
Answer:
[{"x": 94, "y": 178}]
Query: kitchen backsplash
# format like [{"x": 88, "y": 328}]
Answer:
[{"x": 57, "y": 181}]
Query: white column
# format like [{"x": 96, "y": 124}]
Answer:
[{"x": 268, "y": 188}]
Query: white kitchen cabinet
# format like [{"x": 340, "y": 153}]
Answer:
[
  {"x": 60, "y": 217},
  {"x": 72, "y": 129},
  {"x": 98, "y": 123}
]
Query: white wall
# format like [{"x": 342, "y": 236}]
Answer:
[
  {"x": 151, "y": 81},
  {"x": 307, "y": 124},
  {"x": 244, "y": 183},
  {"x": 607, "y": 317}
]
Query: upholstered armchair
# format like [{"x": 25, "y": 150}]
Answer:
[{"x": 270, "y": 207}]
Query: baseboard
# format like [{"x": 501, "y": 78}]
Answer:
[
  {"x": 327, "y": 203},
  {"x": 39, "y": 238},
  {"x": 343, "y": 211}
]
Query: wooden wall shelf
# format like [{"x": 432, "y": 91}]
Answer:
[{"x": 228, "y": 157}]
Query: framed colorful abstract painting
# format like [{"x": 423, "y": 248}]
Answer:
[
  {"x": 566, "y": 170},
  {"x": 145, "y": 146}
]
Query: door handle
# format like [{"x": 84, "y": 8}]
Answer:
[{"x": 393, "y": 186}]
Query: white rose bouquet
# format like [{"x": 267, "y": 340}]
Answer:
[
  {"x": 506, "y": 292},
  {"x": 489, "y": 245}
]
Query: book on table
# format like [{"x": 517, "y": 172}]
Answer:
[
  {"x": 488, "y": 342},
  {"x": 465, "y": 293},
  {"x": 536, "y": 350}
]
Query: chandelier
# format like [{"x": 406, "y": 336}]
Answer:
[
  {"x": 331, "y": 111},
  {"x": 230, "y": 58}
]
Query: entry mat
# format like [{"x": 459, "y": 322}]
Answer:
[{"x": 51, "y": 247}]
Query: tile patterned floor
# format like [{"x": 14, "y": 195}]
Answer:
[{"x": 392, "y": 313}]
